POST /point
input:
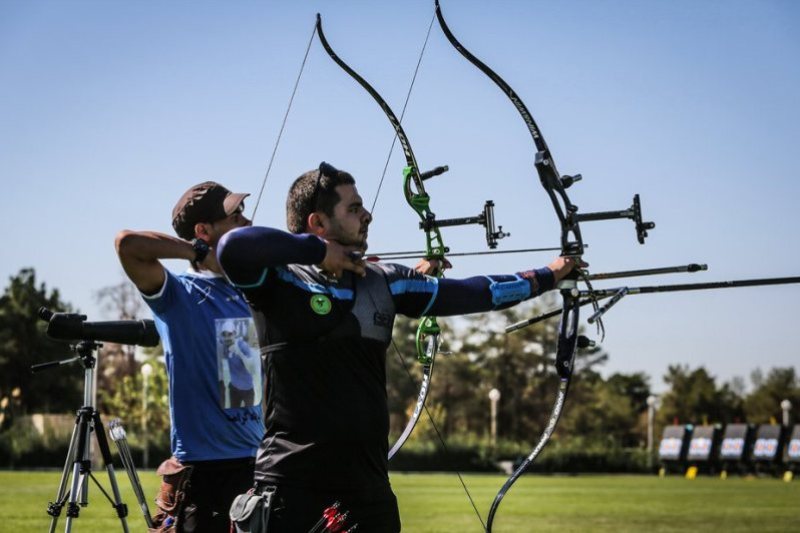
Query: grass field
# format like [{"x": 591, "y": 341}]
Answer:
[{"x": 437, "y": 503}]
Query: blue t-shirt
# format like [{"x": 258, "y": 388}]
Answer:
[{"x": 199, "y": 317}]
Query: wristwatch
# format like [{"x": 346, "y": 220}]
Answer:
[{"x": 201, "y": 249}]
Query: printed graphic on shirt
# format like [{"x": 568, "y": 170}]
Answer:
[{"x": 239, "y": 363}]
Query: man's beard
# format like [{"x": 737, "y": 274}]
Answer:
[{"x": 359, "y": 240}]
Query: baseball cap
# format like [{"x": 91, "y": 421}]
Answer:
[{"x": 205, "y": 202}]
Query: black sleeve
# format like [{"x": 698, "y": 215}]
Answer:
[
  {"x": 489, "y": 293},
  {"x": 247, "y": 254},
  {"x": 416, "y": 295}
]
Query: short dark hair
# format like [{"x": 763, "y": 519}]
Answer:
[{"x": 315, "y": 190}]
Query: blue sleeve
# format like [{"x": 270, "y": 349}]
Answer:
[
  {"x": 167, "y": 295},
  {"x": 247, "y": 254},
  {"x": 245, "y": 348}
]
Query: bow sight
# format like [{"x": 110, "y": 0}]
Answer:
[
  {"x": 485, "y": 219},
  {"x": 634, "y": 212},
  {"x": 556, "y": 185}
]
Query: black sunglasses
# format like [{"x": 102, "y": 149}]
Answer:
[
  {"x": 239, "y": 210},
  {"x": 324, "y": 169}
]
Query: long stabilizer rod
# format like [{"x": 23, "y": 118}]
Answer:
[{"x": 608, "y": 293}]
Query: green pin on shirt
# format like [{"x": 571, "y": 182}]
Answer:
[{"x": 320, "y": 304}]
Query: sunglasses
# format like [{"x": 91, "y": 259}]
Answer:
[
  {"x": 239, "y": 210},
  {"x": 324, "y": 169}
]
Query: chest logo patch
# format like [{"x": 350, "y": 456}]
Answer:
[
  {"x": 382, "y": 319},
  {"x": 321, "y": 304}
]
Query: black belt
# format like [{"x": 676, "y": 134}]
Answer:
[{"x": 221, "y": 464}]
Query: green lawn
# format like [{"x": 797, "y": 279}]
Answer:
[{"x": 437, "y": 503}]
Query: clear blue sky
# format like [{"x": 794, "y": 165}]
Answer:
[{"x": 110, "y": 110}]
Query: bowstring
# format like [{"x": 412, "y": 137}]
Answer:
[
  {"x": 402, "y": 114},
  {"x": 372, "y": 210},
  {"x": 283, "y": 124},
  {"x": 439, "y": 435}
]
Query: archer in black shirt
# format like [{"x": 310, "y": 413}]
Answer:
[{"x": 325, "y": 320}]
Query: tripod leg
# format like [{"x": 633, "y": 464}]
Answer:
[
  {"x": 81, "y": 466},
  {"x": 54, "y": 508},
  {"x": 102, "y": 442}
]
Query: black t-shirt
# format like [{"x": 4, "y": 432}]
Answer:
[{"x": 324, "y": 346}]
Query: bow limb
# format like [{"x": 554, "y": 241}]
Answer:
[
  {"x": 571, "y": 245},
  {"x": 548, "y": 174},
  {"x": 565, "y": 360},
  {"x": 427, "y": 337}
]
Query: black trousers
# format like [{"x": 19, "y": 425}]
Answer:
[
  {"x": 212, "y": 487},
  {"x": 242, "y": 398},
  {"x": 298, "y": 510}
]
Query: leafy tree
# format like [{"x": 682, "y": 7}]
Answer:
[
  {"x": 117, "y": 361},
  {"x": 120, "y": 380},
  {"x": 462, "y": 395},
  {"x": 607, "y": 412},
  {"x": 126, "y": 402},
  {"x": 635, "y": 386},
  {"x": 521, "y": 366},
  {"x": 122, "y": 300},
  {"x": 765, "y": 400},
  {"x": 23, "y": 343},
  {"x": 517, "y": 365},
  {"x": 477, "y": 356},
  {"x": 695, "y": 398}
]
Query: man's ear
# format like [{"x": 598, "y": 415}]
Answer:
[
  {"x": 315, "y": 223},
  {"x": 201, "y": 231}
]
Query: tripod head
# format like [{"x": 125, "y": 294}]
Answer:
[{"x": 84, "y": 351}]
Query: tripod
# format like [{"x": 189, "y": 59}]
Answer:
[{"x": 79, "y": 456}]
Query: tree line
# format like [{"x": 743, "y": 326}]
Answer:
[{"x": 476, "y": 356}]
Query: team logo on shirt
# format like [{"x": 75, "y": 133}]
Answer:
[
  {"x": 382, "y": 319},
  {"x": 320, "y": 304}
]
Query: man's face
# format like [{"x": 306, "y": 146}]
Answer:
[
  {"x": 350, "y": 220},
  {"x": 228, "y": 337},
  {"x": 221, "y": 227}
]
